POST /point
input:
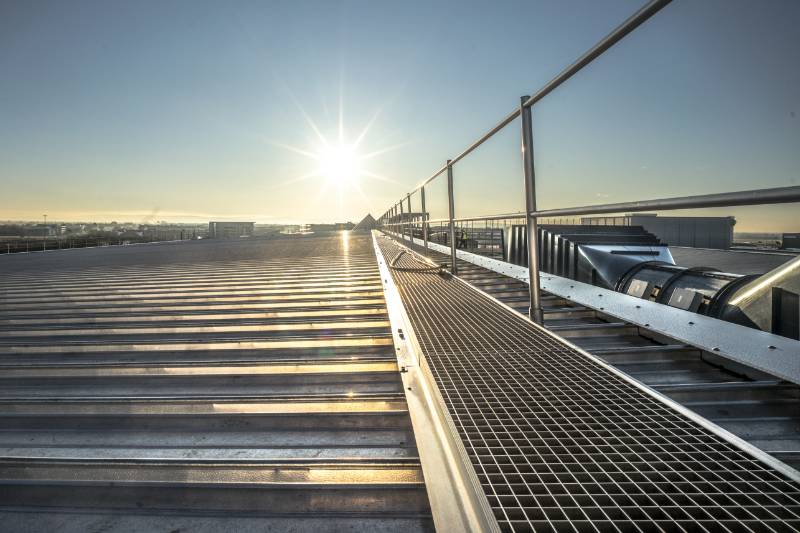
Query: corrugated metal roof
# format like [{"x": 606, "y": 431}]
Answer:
[{"x": 207, "y": 386}]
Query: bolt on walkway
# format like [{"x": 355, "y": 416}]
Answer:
[
  {"x": 205, "y": 386},
  {"x": 562, "y": 442}
]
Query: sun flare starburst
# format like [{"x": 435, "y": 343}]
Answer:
[{"x": 339, "y": 162}]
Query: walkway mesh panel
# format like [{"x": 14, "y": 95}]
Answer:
[{"x": 561, "y": 443}]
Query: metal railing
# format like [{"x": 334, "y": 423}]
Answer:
[
  {"x": 26, "y": 245},
  {"x": 400, "y": 217}
]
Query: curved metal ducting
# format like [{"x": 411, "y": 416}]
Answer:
[
  {"x": 631, "y": 260},
  {"x": 770, "y": 302},
  {"x": 694, "y": 289}
]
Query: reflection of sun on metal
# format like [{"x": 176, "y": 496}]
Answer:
[{"x": 777, "y": 274}]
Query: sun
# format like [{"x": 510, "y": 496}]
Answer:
[{"x": 339, "y": 164}]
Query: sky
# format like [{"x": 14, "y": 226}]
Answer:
[{"x": 196, "y": 110}]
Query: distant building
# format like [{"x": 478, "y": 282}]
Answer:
[
  {"x": 694, "y": 232},
  {"x": 337, "y": 226},
  {"x": 42, "y": 230},
  {"x": 230, "y": 230},
  {"x": 790, "y": 241},
  {"x": 165, "y": 233}
]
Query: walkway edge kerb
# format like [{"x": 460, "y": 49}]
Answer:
[{"x": 457, "y": 500}]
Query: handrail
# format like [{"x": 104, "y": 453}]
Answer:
[
  {"x": 776, "y": 195},
  {"x": 633, "y": 22},
  {"x": 532, "y": 213}
]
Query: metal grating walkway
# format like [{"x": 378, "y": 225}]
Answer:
[
  {"x": 206, "y": 386},
  {"x": 562, "y": 443},
  {"x": 753, "y": 405}
]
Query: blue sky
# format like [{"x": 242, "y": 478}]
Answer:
[{"x": 183, "y": 110}]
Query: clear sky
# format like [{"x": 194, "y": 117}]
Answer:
[{"x": 189, "y": 111}]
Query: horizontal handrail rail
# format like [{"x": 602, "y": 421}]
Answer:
[
  {"x": 487, "y": 218},
  {"x": 520, "y": 214},
  {"x": 633, "y": 22},
  {"x": 776, "y": 195}
]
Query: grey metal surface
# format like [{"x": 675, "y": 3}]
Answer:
[
  {"x": 217, "y": 386},
  {"x": 773, "y": 354},
  {"x": 770, "y": 302},
  {"x": 734, "y": 261},
  {"x": 562, "y": 442}
]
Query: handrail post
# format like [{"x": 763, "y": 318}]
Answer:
[
  {"x": 535, "y": 309},
  {"x": 410, "y": 222},
  {"x": 452, "y": 210},
  {"x": 402, "y": 222},
  {"x": 424, "y": 220}
]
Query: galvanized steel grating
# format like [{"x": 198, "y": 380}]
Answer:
[{"x": 561, "y": 443}]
